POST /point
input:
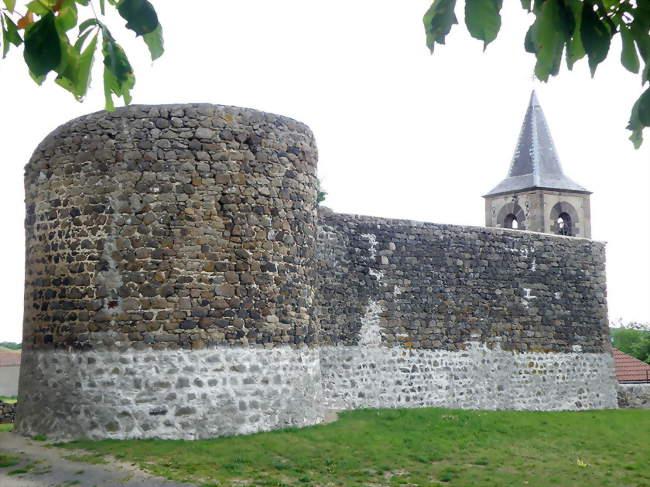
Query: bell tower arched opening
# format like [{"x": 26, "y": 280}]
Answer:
[
  {"x": 511, "y": 222},
  {"x": 564, "y": 219},
  {"x": 511, "y": 216}
]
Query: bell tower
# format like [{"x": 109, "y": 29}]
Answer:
[{"x": 536, "y": 195}]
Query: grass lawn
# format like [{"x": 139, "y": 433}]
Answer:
[
  {"x": 9, "y": 400},
  {"x": 414, "y": 447},
  {"x": 6, "y": 426}
]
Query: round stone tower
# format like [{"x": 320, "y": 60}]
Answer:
[{"x": 168, "y": 290}]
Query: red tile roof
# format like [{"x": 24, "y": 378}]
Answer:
[
  {"x": 629, "y": 369},
  {"x": 9, "y": 359}
]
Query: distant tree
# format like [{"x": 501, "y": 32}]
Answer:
[
  {"x": 320, "y": 193},
  {"x": 642, "y": 348},
  {"x": 11, "y": 345},
  {"x": 633, "y": 342},
  {"x": 577, "y": 28},
  {"x": 43, "y": 27}
]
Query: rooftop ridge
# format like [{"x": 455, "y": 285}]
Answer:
[{"x": 532, "y": 106}]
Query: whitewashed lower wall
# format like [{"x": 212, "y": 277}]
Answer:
[
  {"x": 634, "y": 396},
  {"x": 168, "y": 394},
  {"x": 477, "y": 378},
  {"x": 226, "y": 391}
]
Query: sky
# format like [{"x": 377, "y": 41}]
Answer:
[{"x": 401, "y": 133}]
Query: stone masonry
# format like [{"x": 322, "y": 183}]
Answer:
[
  {"x": 419, "y": 314},
  {"x": 634, "y": 396},
  {"x": 7, "y": 412},
  {"x": 180, "y": 283}
]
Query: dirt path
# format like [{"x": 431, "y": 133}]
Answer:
[{"x": 46, "y": 467}]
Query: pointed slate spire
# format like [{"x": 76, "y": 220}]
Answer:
[{"x": 535, "y": 163}]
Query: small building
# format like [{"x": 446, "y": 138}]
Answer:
[
  {"x": 633, "y": 378},
  {"x": 9, "y": 373},
  {"x": 536, "y": 195},
  {"x": 630, "y": 370}
]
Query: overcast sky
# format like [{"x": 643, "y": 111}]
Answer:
[{"x": 400, "y": 133}]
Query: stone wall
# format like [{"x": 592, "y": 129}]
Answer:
[
  {"x": 165, "y": 228},
  {"x": 429, "y": 286},
  {"x": 9, "y": 380},
  {"x": 633, "y": 396},
  {"x": 170, "y": 226},
  {"x": 180, "y": 284},
  {"x": 7, "y": 412},
  {"x": 416, "y": 314}
]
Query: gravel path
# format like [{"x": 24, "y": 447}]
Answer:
[{"x": 50, "y": 469}]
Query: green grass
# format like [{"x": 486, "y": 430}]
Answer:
[
  {"x": 415, "y": 447},
  {"x": 8, "y": 399},
  {"x": 18, "y": 471},
  {"x": 6, "y": 426},
  {"x": 8, "y": 460},
  {"x": 93, "y": 458}
]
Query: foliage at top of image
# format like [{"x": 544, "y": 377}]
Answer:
[
  {"x": 46, "y": 29},
  {"x": 570, "y": 28}
]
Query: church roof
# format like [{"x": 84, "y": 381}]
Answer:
[
  {"x": 10, "y": 359},
  {"x": 630, "y": 369},
  {"x": 535, "y": 163}
]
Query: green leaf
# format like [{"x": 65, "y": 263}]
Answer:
[
  {"x": 83, "y": 2},
  {"x": 529, "y": 40},
  {"x": 639, "y": 118},
  {"x": 10, "y": 35},
  {"x": 115, "y": 59},
  {"x": 85, "y": 67},
  {"x": 42, "y": 46},
  {"x": 5, "y": 37},
  {"x": 76, "y": 79},
  {"x": 438, "y": 21},
  {"x": 639, "y": 30},
  {"x": 81, "y": 40},
  {"x": 10, "y": 4},
  {"x": 68, "y": 68},
  {"x": 39, "y": 7},
  {"x": 38, "y": 79},
  {"x": 102, "y": 7},
  {"x": 118, "y": 74},
  {"x": 644, "y": 108},
  {"x": 67, "y": 17},
  {"x": 483, "y": 19},
  {"x": 140, "y": 16},
  {"x": 537, "y": 6},
  {"x": 87, "y": 23},
  {"x": 554, "y": 28},
  {"x": 629, "y": 57},
  {"x": 154, "y": 41},
  {"x": 574, "y": 49},
  {"x": 526, "y": 4},
  {"x": 596, "y": 36}
]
